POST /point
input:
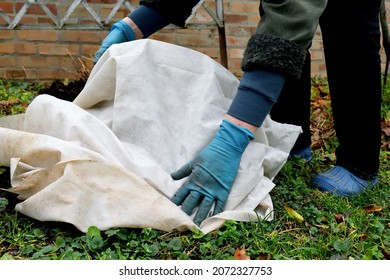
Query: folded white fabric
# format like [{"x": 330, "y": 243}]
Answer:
[{"x": 105, "y": 159}]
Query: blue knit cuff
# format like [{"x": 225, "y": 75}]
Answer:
[{"x": 257, "y": 92}]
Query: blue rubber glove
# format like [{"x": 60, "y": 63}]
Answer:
[
  {"x": 120, "y": 32},
  {"x": 212, "y": 172}
]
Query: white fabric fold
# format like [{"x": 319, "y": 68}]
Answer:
[{"x": 105, "y": 159}]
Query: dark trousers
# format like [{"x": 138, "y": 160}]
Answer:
[{"x": 351, "y": 38}]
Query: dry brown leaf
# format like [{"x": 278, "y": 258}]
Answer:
[
  {"x": 315, "y": 104},
  {"x": 240, "y": 254},
  {"x": 370, "y": 208},
  {"x": 339, "y": 218},
  {"x": 386, "y": 131},
  {"x": 265, "y": 257},
  {"x": 385, "y": 254},
  {"x": 386, "y": 127},
  {"x": 324, "y": 103}
]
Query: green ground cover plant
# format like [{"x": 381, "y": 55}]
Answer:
[{"x": 308, "y": 224}]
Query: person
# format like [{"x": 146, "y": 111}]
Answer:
[{"x": 276, "y": 81}]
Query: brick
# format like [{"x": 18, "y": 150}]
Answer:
[
  {"x": 15, "y": 73},
  {"x": 38, "y": 35},
  {"x": 6, "y": 60},
  {"x": 243, "y": 7},
  {"x": 235, "y": 66},
  {"x": 28, "y": 20},
  {"x": 236, "y": 52},
  {"x": 241, "y": 19},
  {"x": 237, "y": 41},
  {"x": 81, "y": 12},
  {"x": 7, "y": 34},
  {"x": 37, "y": 61},
  {"x": 89, "y": 50},
  {"x": 3, "y": 22},
  {"x": 103, "y": 1},
  {"x": 17, "y": 48},
  {"x": 35, "y": 9},
  {"x": 210, "y": 51},
  {"x": 165, "y": 37},
  {"x": 317, "y": 55},
  {"x": 80, "y": 36},
  {"x": 7, "y": 7},
  {"x": 120, "y": 14},
  {"x": 240, "y": 31},
  {"x": 47, "y": 20},
  {"x": 58, "y": 49},
  {"x": 235, "y": 19},
  {"x": 195, "y": 40},
  {"x": 53, "y": 74}
]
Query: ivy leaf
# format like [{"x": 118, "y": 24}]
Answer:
[
  {"x": 7, "y": 256},
  {"x": 175, "y": 244},
  {"x": 3, "y": 203},
  {"x": 342, "y": 245},
  {"x": 94, "y": 239}
]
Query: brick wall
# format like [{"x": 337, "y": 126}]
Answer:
[{"x": 36, "y": 50}]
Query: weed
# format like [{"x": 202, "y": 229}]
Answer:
[{"x": 333, "y": 227}]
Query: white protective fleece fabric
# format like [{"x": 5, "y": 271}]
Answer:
[{"x": 105, "y": 159}]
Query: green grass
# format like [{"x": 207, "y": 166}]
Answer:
[{"x": 333, "y": 227}]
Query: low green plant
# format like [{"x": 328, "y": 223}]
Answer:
[
  {"x": 332, "y": 228},
  {"x": 16, "y": 95}
]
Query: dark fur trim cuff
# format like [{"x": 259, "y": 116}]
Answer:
[
  {"x": 273, "y": 53},
  {"x": 176, "y": 11}
]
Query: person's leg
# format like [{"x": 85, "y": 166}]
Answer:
[
  {"x": 293, "y": 107},
  {"x": 355, "y": 85},
  {"x": 149, "y": 17}
]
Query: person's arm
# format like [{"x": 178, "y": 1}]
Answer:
[
  {"x": 277, "y": 51},
  {"x": 149, "y": 17},
  {"x": 212, "y": 172}
]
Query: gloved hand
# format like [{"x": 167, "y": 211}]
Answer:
[
  {"x": 120, "y": 32},
  {"x": 212, "y": 172}
]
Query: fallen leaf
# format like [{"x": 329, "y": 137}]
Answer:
[
  {"x": 386, "y": 131},
  {"x": 293, "y": 214},
  {"x": 324, "y": 103},
  {"x": 339, "y": 218},
  {"x": 386, "y": 127},
  {"x": 240, "y": 254},
  {"x": 315, "y": 104},
  {"x": 372, "y": 208},
  {"x": 364, "y": 236},
  {"x": 265, "y": 257},
  {"x": 387, "y": 255}
]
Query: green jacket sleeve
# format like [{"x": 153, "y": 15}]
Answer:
[{"x": 283, "y": 35}]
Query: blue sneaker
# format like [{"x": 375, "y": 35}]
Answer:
[
  {"x": 304, "y": 154},
  {"x": 340, "y": 181},
  {"x": 120, "y": 32}
]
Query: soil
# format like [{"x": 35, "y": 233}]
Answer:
[{"x": 66, "y": 91}]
